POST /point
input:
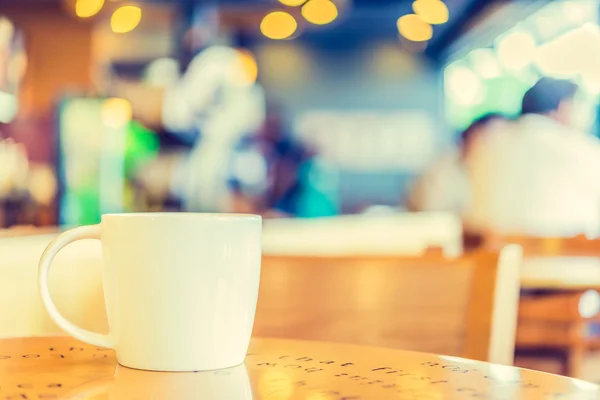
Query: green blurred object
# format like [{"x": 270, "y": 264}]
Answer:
[
  {"x": 92, "y": 168},
  {"x": 141, "y": 145}
]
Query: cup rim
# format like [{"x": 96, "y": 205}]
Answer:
[{"x": 195, "y": 215}]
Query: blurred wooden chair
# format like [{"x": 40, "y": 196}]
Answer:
[
  {"x": 561, "y": 310},
  {"x": 562, "y": 325},
  {"x": 460, "y": 307}
]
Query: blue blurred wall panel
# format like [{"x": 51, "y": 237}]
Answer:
[{"x": 376, "y": 76}]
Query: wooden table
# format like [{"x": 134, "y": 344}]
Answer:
[
  {"x": 63, "y": 368},
  {"x": 561, "y": 273}
]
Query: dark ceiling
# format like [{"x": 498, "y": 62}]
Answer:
[{"x": 360, "y": 20}]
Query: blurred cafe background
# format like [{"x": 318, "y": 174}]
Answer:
[
  {"x": 280, "y": 108},
  {"x": 363, "y": 125}
]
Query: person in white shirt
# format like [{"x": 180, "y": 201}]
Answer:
[
  {"x": 542, "y": 176},
  {"x": 445, "y": 185}
]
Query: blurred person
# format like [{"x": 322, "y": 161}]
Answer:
[
  {"x": 266, "y": 171},
  {"x": 542, "y": 176},
  {"x": 212, "y": 99},
  {"x": 214, "y": 103},
  {"x": 445, "y": 185}
]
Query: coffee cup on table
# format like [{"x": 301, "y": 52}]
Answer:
[{"x": 180, "y": 288}]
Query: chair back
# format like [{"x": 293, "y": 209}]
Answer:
[{"x": 465, "y": 306}]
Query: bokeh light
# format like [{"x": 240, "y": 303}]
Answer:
[
  {"x": 116, "y": 113},
  {"x": 463, "y": 85},
  {"x": 561, "y": 40},
  {"x": 431, "y": 11},
  {"x": 412, "y": 27},
  {"x": 125, "y": 19},
  {"x": 278, "y": 25},
  {"x": 589, "y": 304},
  {"x": 292, "y": 3},
  {"x": 8, "y": 107},
  {"x": 319, "y": 12},
  {"x": 485, "y": 63},
  {"x": 88, "y": 8},
  {"x": 516, "y": 50},
  {"x": 575, "y": 52},
  {"x": 249, "y": 68}
]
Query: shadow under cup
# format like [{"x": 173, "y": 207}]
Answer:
[{"x": 180, "y": 288}]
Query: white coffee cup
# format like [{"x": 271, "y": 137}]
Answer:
[{"x": 180, "y": 288}]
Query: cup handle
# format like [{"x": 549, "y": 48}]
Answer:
[{"x": 62, "y": 240}]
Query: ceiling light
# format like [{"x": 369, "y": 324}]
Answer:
[
  {"x": 278, "y": 25},
  {"x": 319, "y": 12},
  {"x": 125, "y": 19},
  {"x": 88, "y": 8},
  {"x": 412, "y": 27},
  {"x": 431, "y": 11},
  {"x": 292, "y": 3}
]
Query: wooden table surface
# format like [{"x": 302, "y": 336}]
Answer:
[
  {"x": 63, "y": 368},
  {"x": 561, "y": 273}
]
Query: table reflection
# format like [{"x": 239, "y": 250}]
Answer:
[{"x": 131, "y": 384}]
